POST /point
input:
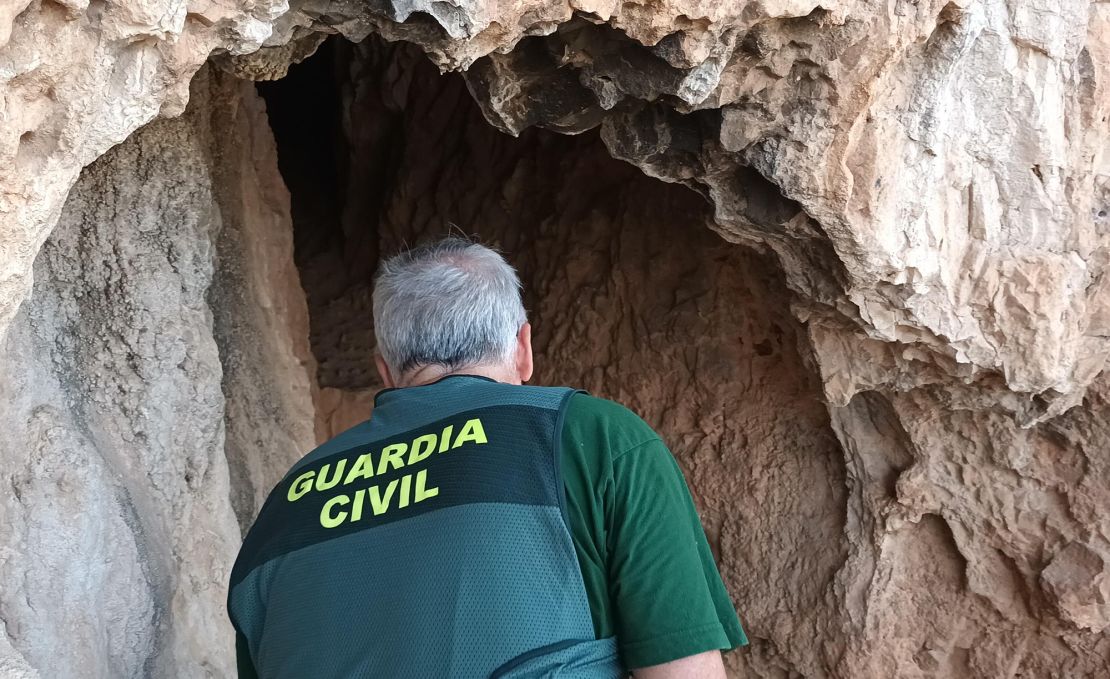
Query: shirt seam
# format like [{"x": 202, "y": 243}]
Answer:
[
  {"x": 685, "y": 630},
  {"x": 557, "y": 460},
  {"x": 629, "y": 449},
  {"x": 634, "y": 646}
]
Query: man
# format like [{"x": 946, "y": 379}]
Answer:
[{"x": 474, "y": 526}]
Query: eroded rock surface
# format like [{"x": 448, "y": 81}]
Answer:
[
  {"x": 963, "y": 530},
  {"x": 142, "y": 385},
  {"x": 930, "y": 175}
]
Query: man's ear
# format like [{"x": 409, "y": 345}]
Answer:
[
  {"x": 524, "y": 364},
  {"x": 383, "y": 371}
]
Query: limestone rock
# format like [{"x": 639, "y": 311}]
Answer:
[
  {"x": 1077, "y": 581},
  {"x": 935, "y": 172},
  {"x": 882, "y": 150},
  {"x": 116, "y": 379}
]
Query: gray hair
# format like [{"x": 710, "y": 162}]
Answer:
[{"x": 451, "y": 303}]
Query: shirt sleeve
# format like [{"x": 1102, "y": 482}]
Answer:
[{"x": 668, "y": 598}]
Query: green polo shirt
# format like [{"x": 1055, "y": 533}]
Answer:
[{"x": 649, "y": 574}]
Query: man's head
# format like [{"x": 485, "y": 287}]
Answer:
[{"x": 450, "y": 306}]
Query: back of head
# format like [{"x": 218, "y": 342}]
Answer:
[{"x": 452, "y": 303}]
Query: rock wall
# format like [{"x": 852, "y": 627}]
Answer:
[
  {"x": 974, "y": 543},
  {"x": 925, "y": 172},
  {"x": 139, "y": 402}
]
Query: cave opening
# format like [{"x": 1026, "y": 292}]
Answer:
[
  {"x": 631, "y": 295},
  {"x": 378, "y": 150}
]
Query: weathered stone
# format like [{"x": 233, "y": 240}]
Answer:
[
  {"x": 1077, "y": 581},
  {"x": 943, "y": 213},
  {"x": 116, "y": 380}
]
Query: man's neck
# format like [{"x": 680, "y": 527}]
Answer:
[{"x": 431, "y": 373}]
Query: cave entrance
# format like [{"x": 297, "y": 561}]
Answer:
[
  {"x": 630, "y": 292},
  {"x": 631, "y": 295}
]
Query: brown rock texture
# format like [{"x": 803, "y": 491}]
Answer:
[{"x": 891, "y": 402}]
